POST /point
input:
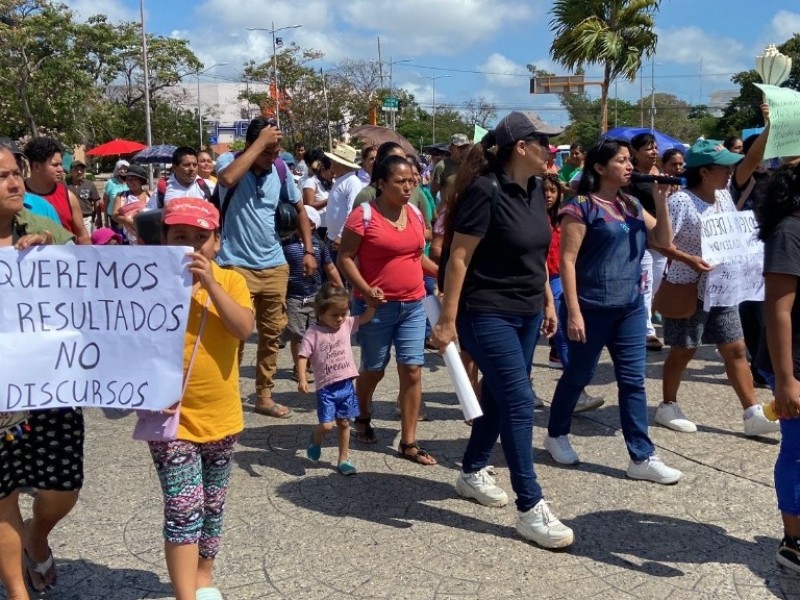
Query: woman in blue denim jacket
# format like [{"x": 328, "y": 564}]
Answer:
[{"x": 604, "y": 234}]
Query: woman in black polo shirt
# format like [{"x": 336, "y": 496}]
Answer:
[{"x": 496, "y": 285}]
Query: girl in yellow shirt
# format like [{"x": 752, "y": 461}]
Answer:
[{"x": 194, "y": 470}]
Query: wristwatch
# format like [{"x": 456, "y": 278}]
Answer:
[{"x": 309, "y": 252}]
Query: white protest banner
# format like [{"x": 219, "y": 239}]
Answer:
[
  {"x": 92, "y": 326},
  {"x": 730, "y": 244}
]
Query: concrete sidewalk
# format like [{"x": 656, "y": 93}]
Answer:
[{"x": 299, "y": 531}]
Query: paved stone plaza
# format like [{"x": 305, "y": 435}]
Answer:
[{"x": 297, "y": 530}]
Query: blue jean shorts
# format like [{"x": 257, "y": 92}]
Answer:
[
  {"x": 337, "y": 401},
  {"x": 398, "y": 323}
]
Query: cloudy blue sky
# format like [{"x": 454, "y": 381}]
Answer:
[{"x": 482, "y": 46}]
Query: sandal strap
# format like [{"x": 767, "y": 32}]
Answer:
[{"x": 411, "y": 446}]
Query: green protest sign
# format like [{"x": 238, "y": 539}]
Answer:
[{"x": 784, "y": 121}]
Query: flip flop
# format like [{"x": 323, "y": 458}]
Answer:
[
  {"x": 275, "y": 411},
  {"x": 38, "y": 574}
]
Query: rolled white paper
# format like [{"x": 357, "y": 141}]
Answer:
[{"x": 455, "y": 368}]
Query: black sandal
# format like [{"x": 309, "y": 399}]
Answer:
[
  {"x": 367, "y": 434},
  {"x": 402, "y": 452}
]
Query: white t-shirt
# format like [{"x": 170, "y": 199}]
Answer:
[
  {"x": 341, "y": 198},
  {"x": 320, "y": 193},
  {"x": 175, "y": 189},
  {"x": 686, "y": 211}
]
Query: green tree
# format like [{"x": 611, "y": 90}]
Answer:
[
  {"x": 37, "y": 39},
  {"x": 673, "y": 116},
  {"x": 83, "y": 82},
  {"x": 613, "y": 33},
  {"x": 301, "y": 94}
]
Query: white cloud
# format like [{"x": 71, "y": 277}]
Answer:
[
  {"x": 784, "y": 25},
  {"x": 504, "y": 71},
  {"x": 721, "y": 56},
  {"x": 419, "y": 27},
  {"x": 114, "y": 10},
  {"x": 263, "y": 13}
]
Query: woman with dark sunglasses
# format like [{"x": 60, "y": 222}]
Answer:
[
  {"x": 497, "y": 296},
  {"x": 604, "y": 234}
]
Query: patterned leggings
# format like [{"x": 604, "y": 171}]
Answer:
[{"x": 194, "y": 480}]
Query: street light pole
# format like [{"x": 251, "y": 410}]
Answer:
[
  {"x": 433, "y": 78},
  {"x": 199, "y": 109},
  {"x": 272, "y": 32}
]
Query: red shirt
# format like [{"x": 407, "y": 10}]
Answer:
[
  {"x": 388, "y": 258},
  {"x": 554, "y": 252},
  {"x": 59, "y": 198}
]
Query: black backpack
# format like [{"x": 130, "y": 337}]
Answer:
[{"x": 285, "y": 213}]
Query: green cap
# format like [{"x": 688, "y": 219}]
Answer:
[{"x": 711, "y": 152}]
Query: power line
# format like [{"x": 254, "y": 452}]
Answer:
[{"x": 529, "y": 75}]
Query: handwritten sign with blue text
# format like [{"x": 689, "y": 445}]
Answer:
[{"x": 92, "y": 326}]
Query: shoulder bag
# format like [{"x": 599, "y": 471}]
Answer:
[{"x": 155, "y": 425}]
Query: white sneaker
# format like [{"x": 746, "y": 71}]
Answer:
[
  {"x": 653, "y": 469},
  {"x": 542, "y": 527},
  {"x": 587, "y": 402},
  {"x": 758, "y": 424},
  {"x": 480, "y": 486},
  {"x": 561, "y": 450},
  {"x": 671, "y": 416}
]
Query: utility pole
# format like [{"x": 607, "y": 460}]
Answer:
[
  {"x": 653, "y": 95},
  {"x": 641, "y": 97},
  {"x": 148, "y": 131},
  {"x": 327, "y": 111},
  {"x": 433, "y": 78}
]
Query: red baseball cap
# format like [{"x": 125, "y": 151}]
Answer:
[{"x": 193, "y": 212}]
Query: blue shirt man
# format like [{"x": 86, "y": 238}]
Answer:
[{"x": 251, "y": 246}]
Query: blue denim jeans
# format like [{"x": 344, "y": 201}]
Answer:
[
  {"x": 560, "y": 338},
  {"x": 622, "y": 331},
  {"x": 398, "y": 323},
  {"x": 502, "y": 347}
]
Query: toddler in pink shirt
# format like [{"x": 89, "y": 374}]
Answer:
[{"x": 327, "y": 345}]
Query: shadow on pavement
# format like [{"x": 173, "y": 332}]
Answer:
[
  {"x": 384, "y": 499},
  {"x": 645, "y": 543},
  {"x": 86, "y": 580}
]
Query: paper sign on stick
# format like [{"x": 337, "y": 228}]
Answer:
[
  {"x": 92, "y": 326},
  {"x": 455, "y": 368},
  {"x": 784, "y": 121}
]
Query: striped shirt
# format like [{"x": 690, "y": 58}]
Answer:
[{"x": 301, "y": 286}]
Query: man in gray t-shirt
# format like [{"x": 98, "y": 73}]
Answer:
[{"x": 86, "y": 192}]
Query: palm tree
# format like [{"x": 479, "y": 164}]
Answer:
[{"x": 614, "y": 33}]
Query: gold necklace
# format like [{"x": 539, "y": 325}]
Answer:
[{"x": 399, "y": 223}]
